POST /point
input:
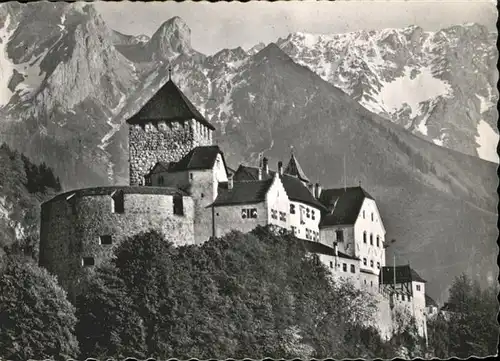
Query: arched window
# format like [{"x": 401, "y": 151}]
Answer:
[
  {"x": 378, "y": 241},
  {"x": 371, "y": 239},
  {"x": 364, "y": 237},
  {"x": 371, "y": 263},
  {"x": 364, "y": 261}
]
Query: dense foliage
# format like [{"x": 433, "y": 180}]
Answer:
[
  {"x": 469, "y": 327},
  {"x": 36, "y": 319},
  {"x": 243, "y": 295}
]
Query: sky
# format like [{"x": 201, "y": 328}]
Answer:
[{"x": 215, "y": 26}]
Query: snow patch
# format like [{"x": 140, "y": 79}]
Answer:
[
  {"x": 421, "y": 88},
  {"x": 485, "y": 103},
  {"x": 6, "y": 66},
  {"x": 487, "y": 141}
]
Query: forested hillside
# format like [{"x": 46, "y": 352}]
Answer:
[{"x": 23, "y": 186}]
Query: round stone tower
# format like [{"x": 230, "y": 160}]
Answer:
[{"x": 165, "y": 129}]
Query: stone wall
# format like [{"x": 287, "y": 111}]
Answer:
[
  {"x": 328, "y": 236},
  {"x": 228, "y": 218},
  {"x": 71, "y": 228},
  {"x": 162, "y": 141}
]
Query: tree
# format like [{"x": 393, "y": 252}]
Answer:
[
  {"x": 472, "y": 325},
  {"x": 108, "y": 324},
  {"x": 36, "y": 319}
]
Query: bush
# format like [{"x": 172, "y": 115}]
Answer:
[{"x": 37, "y": 321}]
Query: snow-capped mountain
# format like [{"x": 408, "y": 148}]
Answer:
[
  {"x": 439, "y": 85},
  {"x": 69, "y": 83}
]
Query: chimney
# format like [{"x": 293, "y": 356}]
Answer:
[
  {"x": 265, "y": 166},
  {"x": 230, "y": 182},
  {"x": 259, "y": 176},
  {"x": 280, "y": 168},
  {"x": 318, "y": 191}
]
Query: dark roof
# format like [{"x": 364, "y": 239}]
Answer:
[
  {"x": 243, "y": 192},
  {"x": 294, "y": 188},
  {"x": 293, "y": 168},
  {"x": 403, "y": 274},
  {"x": 197, "y": 159},
  {"x": 168, "y": 104},
  {"x": 344, "y": 205},
  {"x": 321, "y": 248},
  {"x": 429, "y": 301},
  {"x": 160, "y": 167},
  {"x": 99, "y": 191},
  {"x": 365, "y": 270}
]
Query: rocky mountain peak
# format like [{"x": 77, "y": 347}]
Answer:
[{"x": 171, "y": 39}]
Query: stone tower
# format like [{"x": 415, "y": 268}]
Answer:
[{"x": 165, "y": 129}]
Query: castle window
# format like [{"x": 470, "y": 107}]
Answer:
[
  {"x": 364, "y": 261},
  {"x": 178, "y": 205},
  {"x": 282, "y": 216},
  {"x": 292, "y": 208},
  {"x": 308, "y": 233},
  {"x": 353, "y": 269},
  {"x": 378, "y": 265},
  {"x": 418, "y": 287},
  {"x": 161, "y": 180},
  {"x": 312, "y": 214},
  {"x": 294, "y": 230},
  {"x": 364, "y": 237},
  {"x": 118, "y": 202},
  {"x": 344, "y": 267},
  {"x": 331, "y": 264},
  {"x": 371, "y": 283},
  {"x": 371, "y": 263},
  {"x": 363, "y": 214},
  {"x": 191, "y": 176},
  {"x": 339, "y": 234},
  {"x": 249, "y": 213},
  {"x": 371, "y": 239},
  {"x": 402, "y": 297},
  {"x": 274, "y": 214},
  {"x": 378, "y": 241},
  {"x": 307, "y": 213},
  {"x": 105, "y": 239},
  {"x": 88, "y": 261},
  {"x": 372, "y": 217}
]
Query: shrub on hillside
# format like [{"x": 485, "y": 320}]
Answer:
[
  {"x": 36, "y": 319},
  {"x": 243, "y": 295}
]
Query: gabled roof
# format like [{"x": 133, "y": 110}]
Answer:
[
  {"x": 294, "y": 188},
  {"x": 168, "y": 104},
  {"x": 429, "y": 301},
  {"x": 294, "y": 169},
  {"x": 344, "y": 205},
  {"x": 198, "y": 158},
  {"x": 404, "y": 274},
  {"x": 243, "y": 192},
  {"x": 160, "y": 167},
  {"x": 321, "y": 248}
]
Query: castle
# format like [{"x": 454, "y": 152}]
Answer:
[{"x": 181, "y": 185}]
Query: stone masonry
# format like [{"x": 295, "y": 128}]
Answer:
[{"x": 162, "y": 141}]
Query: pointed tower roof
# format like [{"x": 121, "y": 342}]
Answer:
[
  {"x": 168, "y": 104},
  {"x": 294, "y": 168}
]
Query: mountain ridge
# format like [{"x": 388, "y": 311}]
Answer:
[{"x": 260, "y": 100}]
